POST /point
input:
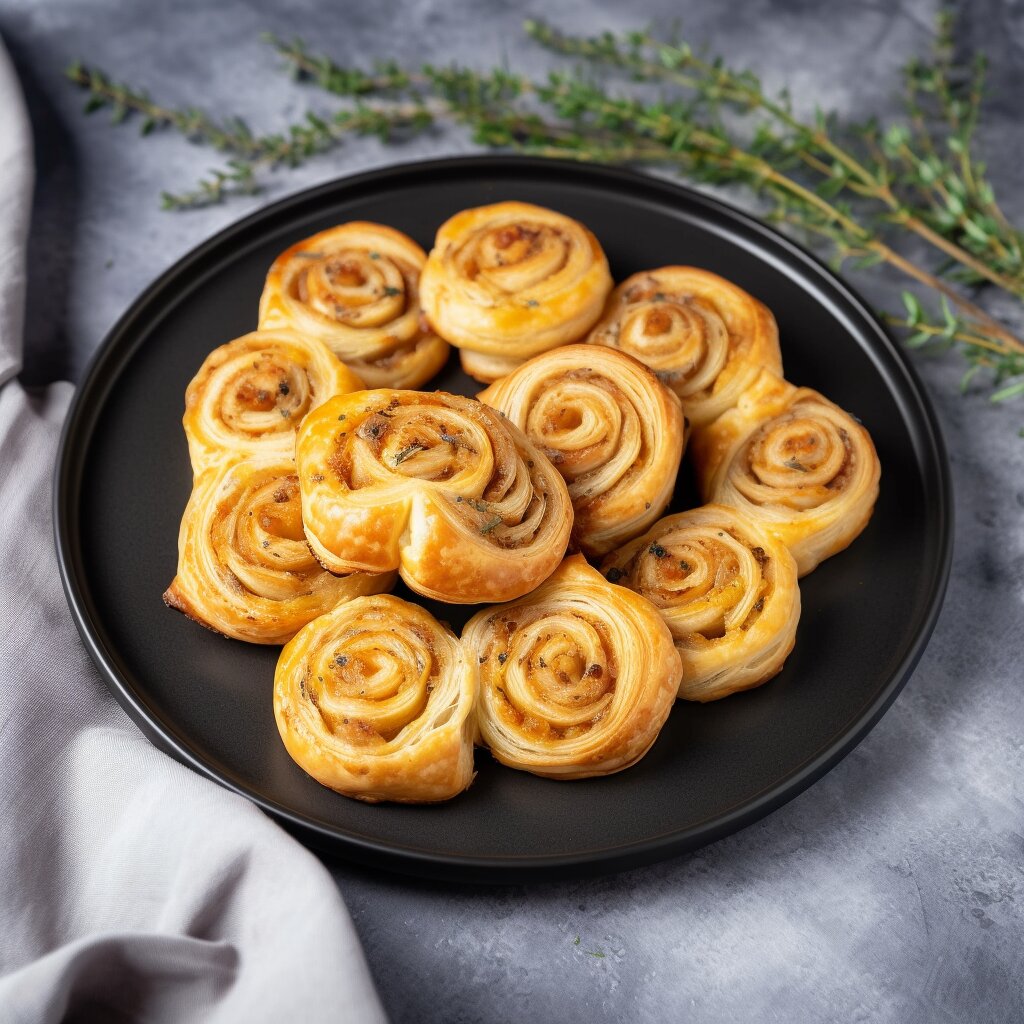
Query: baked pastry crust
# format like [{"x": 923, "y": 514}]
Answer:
[
  {"x": 576, "y": 679},
  {"x": 375, "y": 700},
  {"x": 250, "y": 395},
  {"x": 705, "y": 337},
  {"x": 438, "y": 486},
  {"x": 244, "y": 567},
  {"x": 796, "y": 463},
  {"x": 506, "y": 282},
  {"x": 727, "y": 590},
  {"x": 612, "y": 430},
  {"x": 355, "y": 287}
]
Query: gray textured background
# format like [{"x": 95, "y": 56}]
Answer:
[{"x": 892, "y": 889}]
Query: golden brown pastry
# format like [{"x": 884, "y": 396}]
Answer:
[
  {"x": 706, "y": 338},
  {"x": 375, "y": 700},
  {"x": 244, "y": 567},
  {"x": 512, "y": 280},
  {"x": 727, "y": 590},
  {"x": 610, "y": 428},
  {"x": 795, "y": 463},
  {"x": 576, "y": 679},
  {"x": 437, "y": 486},
  {"x": 355, "y": 287},
  {"x": 250, "y": 395}
]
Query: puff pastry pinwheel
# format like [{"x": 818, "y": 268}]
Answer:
[
  {"x": 355, "y": 287},
  {"x": 512, "y": 280},
  {"x": 375, "y": 700},
  {"x": 612, "y": 430},
  {"x": 576, "y": 679},
  {"x": 244, "y": 567},
  {"x": 794, "y": 462},
  {"x": 728, "y": 591},
  {"x": 438, "y": 486},
  {"x": 706, "y": 338},
  {"x": 250, "y": 395}
]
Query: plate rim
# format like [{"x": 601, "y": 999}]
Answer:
[{"x": 117, "y": 347}]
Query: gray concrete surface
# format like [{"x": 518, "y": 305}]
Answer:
[{"x": 891, "y": 891}]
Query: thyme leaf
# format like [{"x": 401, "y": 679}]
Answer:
[{"x": 411, "y": 449}]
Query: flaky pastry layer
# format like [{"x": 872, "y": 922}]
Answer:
[
  {"x": 794, "y": 462},
  {"x": 705, "y": 337},
  {"x": 612, "y": 430},
  {"x": 726, "y": 588},
  {"x": 355, "y": 287},
  {"x": 250, "y": 395},
  {"x": 576, "y": 679},
  {"x": 375, "y": 698},
  {"x": 508, "y": 281},
  {"x": 438, "y": 486},
  {"x": 244, "y": 567}
]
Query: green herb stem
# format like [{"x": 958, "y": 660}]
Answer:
[{"x": 860, "y": 187}]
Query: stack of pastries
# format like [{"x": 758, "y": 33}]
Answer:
[{"x": 323, "y": 472}]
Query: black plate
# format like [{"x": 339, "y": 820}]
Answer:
[{"x": 123, "y": 479}]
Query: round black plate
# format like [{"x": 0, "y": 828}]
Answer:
[{"x": 123, "y": 478}]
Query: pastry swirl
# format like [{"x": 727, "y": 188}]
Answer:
[
  {"x": 612, "y": 430},
  {"x": 795, "y": 463},
  {"x": 509, "y": 281},
  {"x": 727, "y": 590},
  {"x": 706, "y": 338},
  {"x": 437, "y": 486},
  {"x": 355, "y": 287},
  {"x": 244, "y": 567},
  {"x": 375, "y": 700},
  {"x": 250, "y": 395},
  {"x": 576, "y": 679}
]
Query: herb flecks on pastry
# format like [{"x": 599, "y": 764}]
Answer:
[
  {"x": 355, "y": 287},
  {"x": 440, "y": 487},
  {"x": 726, "y": 588},
  {"x": 375, "y": 700},
  {"x": 705, "y": 337},
  {"x": 576, "y": 679},
  {"x": 506, "y": 282},
  {"x": 613, "y": 431}
]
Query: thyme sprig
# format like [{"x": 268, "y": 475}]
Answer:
[
  {"x": 598, "y": 126},
  {"x": 249, "y": 153},
  {"x": 944, "y": 221},
  {"x": 859, "y": 188},
  {"x": 981, "y": 353}
]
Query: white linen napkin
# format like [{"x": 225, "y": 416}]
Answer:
[{"x": 132, "y": 888}]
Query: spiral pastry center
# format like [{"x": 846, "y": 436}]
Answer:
[
  {"x": 557, "y": 676},
  {"x": 799, "y": 460},
  {"x": 580, "y": 424},
  {"x": 514, "y": 257},
  {"x": 408, "y": 441},
  {"x": 261, "y": 394},
  {"x": 354, "y": 287},
  {"x": 708, "y": 580},
  {"x": 371, "y": 682},
  {"x": 683, "y": 339},
  {"x": 262, "y": 543}
]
